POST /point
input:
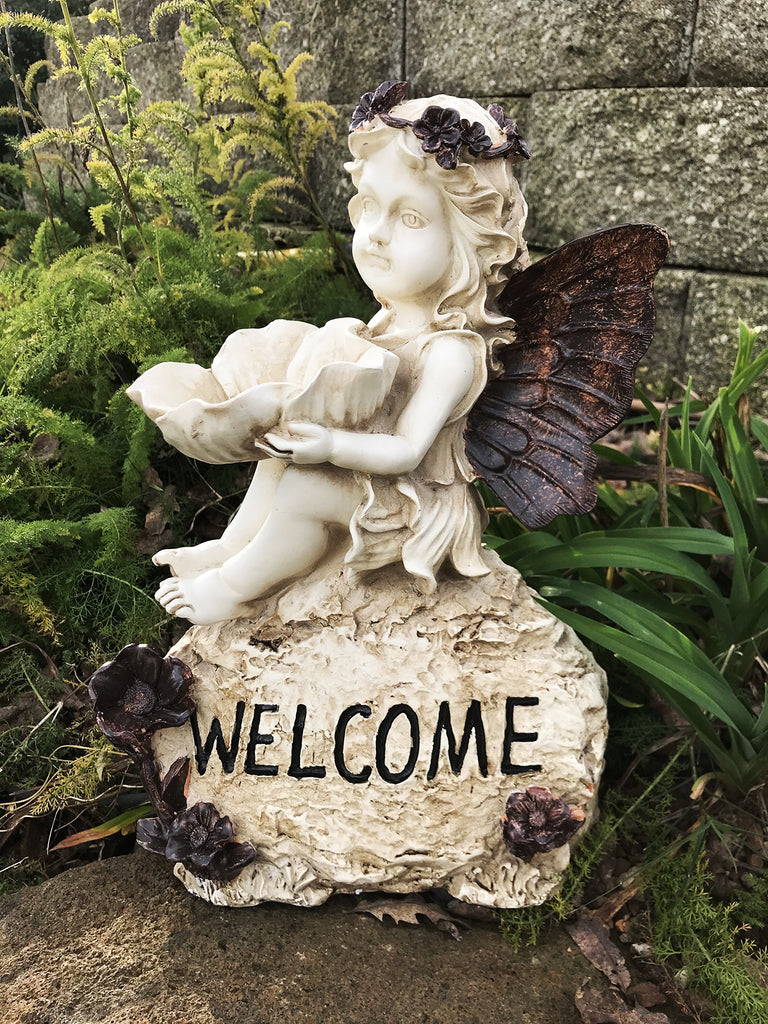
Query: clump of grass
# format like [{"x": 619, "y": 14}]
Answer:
[{"x": 706, "y": 943}]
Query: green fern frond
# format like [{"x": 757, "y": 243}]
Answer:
[
  {"x": 99, "y": 214},
  {"x": 104, "y": 14},
  {"x": 34, "y": 69},
  {"x": 167, "y": 7},
  {"x": 36, "y": 22}
]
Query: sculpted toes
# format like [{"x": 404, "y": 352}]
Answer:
[{"x": 169, "y": 586}]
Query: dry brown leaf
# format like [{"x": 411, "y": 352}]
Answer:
[
  {"x": 155, "y": 534},
  {"x": 409, "y": 910},
  {"x": 594, "y": 941},
  {"x": 44, "y": 447},
  {"x": 647, "y": 994},
  {"x": 156, "y": 519},
  {"x": 152, "y": 478},
  {"x": 609, "y": 1007}
]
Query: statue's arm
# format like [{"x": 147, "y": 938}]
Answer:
[{"x": 446, "y": 375}]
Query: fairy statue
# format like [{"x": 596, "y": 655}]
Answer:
[
  {"x": 379, "y": 701},
  {"x": 368, "y": 436}
]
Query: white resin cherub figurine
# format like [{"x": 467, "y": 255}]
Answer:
[{"x": 359, "y": 428}]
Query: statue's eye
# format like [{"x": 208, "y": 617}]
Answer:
[
  {"x": 368, "y": 207},
  {"x": 413, "y": 220}
]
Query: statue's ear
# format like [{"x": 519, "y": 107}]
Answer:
[{"x": 584, "y": 317}]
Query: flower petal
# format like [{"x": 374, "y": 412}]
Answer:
[
  {"x": 174, "y": 784},
  {"x": 447, "y": 159},
  {"x": 151, "y": 835},
  {"x": 108, "y": 685},
  {"x": 173, "y": 682},
  {"x": 231, "y": 860},
  {"x": 142, "y": 661},
  {"x": 123, "y": 729},
  {"x": 178, "y": 846},
  {"x": 166, "y": 718}
]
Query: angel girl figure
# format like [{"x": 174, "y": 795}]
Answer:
[{"x": 359, "y": 429}]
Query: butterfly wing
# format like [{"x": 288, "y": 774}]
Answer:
[{"x": 584, "y": 316}]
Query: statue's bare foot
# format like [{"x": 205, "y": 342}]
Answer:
[
  {"x": 189, "y": 562},
  {"x": 202, "y": 599}
]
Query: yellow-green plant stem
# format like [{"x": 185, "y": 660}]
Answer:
[
  {"x": 27, "y": 133},
  {"x": 109, "y": 152}
]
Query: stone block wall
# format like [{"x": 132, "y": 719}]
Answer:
[{"x": 633, "y": 110}]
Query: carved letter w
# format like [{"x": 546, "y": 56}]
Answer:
[{"x": 227, "y": 755}]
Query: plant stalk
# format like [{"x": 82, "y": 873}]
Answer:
[
  {"x": 28, "y": 134},
  {"x": 110, "y": 153}
]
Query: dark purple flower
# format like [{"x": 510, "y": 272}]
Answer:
[
  {"x": 201, "y": 839},
  {"x": 473, "y": 136},
  {"x": 371, "y": 104},
  {"x": 170, "y": 799},
  {"x": 537, "y": 822},
  {"x": 439, "y": 129},
  {"x": 138, "y": 693},
  {"x": 152, "y": 835},
  {"x": 515, "y": 144}
]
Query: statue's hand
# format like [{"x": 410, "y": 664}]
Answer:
[{"x": 307, "y": 443}]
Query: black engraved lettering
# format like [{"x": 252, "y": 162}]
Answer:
[
  {"x": 256, "y": 738},
  {"x": 511, "y": 736},
  {"x": 338, "y": 744},
  {"x": 227, "y": 754},
  {"x": 381, "y": 744},
  {"x": 473, "y": 722},
  {"x": 296, "y": 769}
]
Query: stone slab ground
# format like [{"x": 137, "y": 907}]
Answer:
[{"x": 121, "y": 941}]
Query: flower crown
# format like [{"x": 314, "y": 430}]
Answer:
[{"x": 441, "y": 130}]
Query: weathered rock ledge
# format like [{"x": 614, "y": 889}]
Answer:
[{"x": 120, "y": 942}]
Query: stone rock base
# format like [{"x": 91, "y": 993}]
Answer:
[{"x": 368, "y": 737}]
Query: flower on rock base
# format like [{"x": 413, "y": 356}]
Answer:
[
  {"x": 200, "y": 839},
  {"x": 535, "y": 821},
  {"x": 139, "y": 692}
]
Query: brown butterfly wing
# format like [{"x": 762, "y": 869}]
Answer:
[{"x": 584, "y": 316}]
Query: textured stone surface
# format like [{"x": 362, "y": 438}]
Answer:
[
  {"x": 665, "y": 360},
  {"x": 716, "y": 303},
  {"x": 514, "y": 46},
  {"x": 355, "y": 46},
  {"x": 155, "y": 66},
  {"x": 684, "y": 158},
  {"x": 135, "y": 17},
  {"x": 731, "y": 43},
  {"x": 328, "y": 647},
  {"x": 118, "y": 942}
]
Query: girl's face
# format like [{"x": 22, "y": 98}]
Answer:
[{"x": 402, "y": 245}]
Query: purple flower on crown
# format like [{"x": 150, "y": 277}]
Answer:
[
  {"x": 474, "y": 137},
  {"x": 373, "y": 104},
  {"x": 439, "y": 131},
  {"x": 515, "y": 144}
]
